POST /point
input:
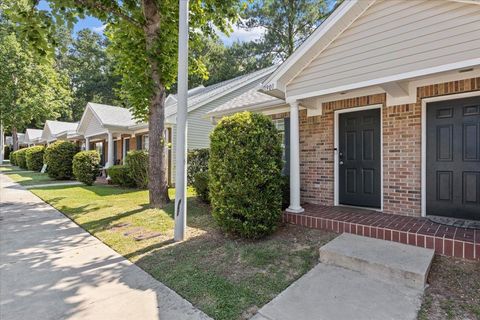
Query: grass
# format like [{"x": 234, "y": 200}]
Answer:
[
  {"x": 453, "y": 292},
  {"x": 226, "y": 277},
  {"x": 27, "y": 178}
]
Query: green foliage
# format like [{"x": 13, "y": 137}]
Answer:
[
  {"x": 285, "y": 192},
  {"x": 119, "y": 175},
  {"x": 137, "y": 165},
  {"x": 287, "y": 24},
  {"x": 197, "y": 161},
  {"x": 90, "y": 71},
  {"x": 13, "y": 159},
  {"x": 86, "y": 166},
  {"x": 59, "y": 157},
  {"x": 200, "y": 184},
  {"x": 20, "y": 158},
  {"x": 34, "y": 157},
  {"x": 245, "y": 174},
  {"x": 30, "y": 92}
]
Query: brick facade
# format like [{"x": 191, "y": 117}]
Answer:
[{"x": 401, "y": 148}]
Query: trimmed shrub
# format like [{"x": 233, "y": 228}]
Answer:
[
  {"x": 7, "y": 151},
  {"x": 13, "y": 158},
  {"x": 119, "y": 175},
  {"x": 200, "y": 184},
  {"x": 86, "y": 166},
  {"x": 137, "y": 165},
  {"x": 197, "y": 162},
  {"x": 34, "y": 157},
  {"x": 245, "y": 178},
  {"x": 20, "y": 158},
  {"x": 59, "y": 157}
]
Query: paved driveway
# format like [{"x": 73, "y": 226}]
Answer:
[{"x": 52, "y": 269}]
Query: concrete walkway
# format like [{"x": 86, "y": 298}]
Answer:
[{"x": 52, "y": 269}]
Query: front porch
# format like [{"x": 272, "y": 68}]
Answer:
[{"x": 445, "y": 240}]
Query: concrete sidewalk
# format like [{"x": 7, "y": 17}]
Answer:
[{"x": 52, "y": 269}]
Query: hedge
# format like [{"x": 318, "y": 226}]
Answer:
[
  {"x": 137, "y": 164},
  {"x": 20, "y": 158},
  {"x": 200, "y": 184},
  {"x": 59, "y": 157},
  {"x": 197, "y": 161},
  {"x": 245, "y": 178},
  {"x": 13, "y": 158},
  {"x": 34, "y": 157},
  {"x": 119, "y": 175},
  {"x": 86, "y": 166}
]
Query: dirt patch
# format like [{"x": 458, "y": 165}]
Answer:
[{"x": 453, "y": 292}]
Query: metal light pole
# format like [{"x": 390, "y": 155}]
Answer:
[{"x": 181, "y": 143}]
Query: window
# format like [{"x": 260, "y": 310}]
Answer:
[
  {"x": 145, "y": 142},
  {"x": 99, "y": 148},
  {"x": 280, "y": 125}
]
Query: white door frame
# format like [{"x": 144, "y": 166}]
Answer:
[
  {"x": 336, "y": 173},
  {"x": 424, "y": 138}
]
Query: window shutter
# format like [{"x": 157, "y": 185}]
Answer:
[
  {"x": 115, "y": 149},
  {"x": 286, "y": 168}
]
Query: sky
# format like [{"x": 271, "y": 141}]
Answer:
[{"x": 96, "y": 25}]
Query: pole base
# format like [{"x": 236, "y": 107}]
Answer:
[{"x": 295, "y": 209}]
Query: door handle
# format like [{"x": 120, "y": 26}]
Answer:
[{"x": 341, "y": 162}]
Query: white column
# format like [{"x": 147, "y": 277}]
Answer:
[
  {"x": 181, "y": 143},
  {"x": 294, "y": 160},
  {"x": 110, "y": 150},
  {"x": 87, "y": 143},
  {"x": 124, "y": 149}
]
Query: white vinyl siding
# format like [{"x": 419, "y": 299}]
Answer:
[
  {"x": 93, "y": 126},
  {"x": 394, "y": 37},
  {"x": 199, "y": 128}
]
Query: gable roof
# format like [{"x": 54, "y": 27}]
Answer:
[
  {"x": 329, "y": 31},
  {"x": 56, "y": 127},
  {"x": 249, "y": 100},
  {"x": 112, "y": 115},
  {"x": 202, "y": 96},
  {"x": 32, "y": 134}
]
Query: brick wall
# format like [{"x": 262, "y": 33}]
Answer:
[{"x": 401, "y": 148}]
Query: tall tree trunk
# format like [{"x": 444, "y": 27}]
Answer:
[
  {"x": 157, "y": 168},
  {"x": 14, "y": 139}
]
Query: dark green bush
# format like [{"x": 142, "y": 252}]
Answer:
[
  {"x": 13, "y": 158},
  {"x": 200, "y": 184},
  {"x": 59, "y": 157},
  {"x": 7, "y": 151},
  {"x": 197, "y": 161},
  {"x": 20, "y": 158},
  {"x": 119, "y": 175},
  {"x": 86, "y": 166},
  {"x": 137, "y": 164},
  {"x": 285, "y": 192},
  {"x": 34, "y": 157},
  {"x": 245, "y": 178}
]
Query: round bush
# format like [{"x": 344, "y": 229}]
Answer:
[
  {"x": 13, "y": 158},
  {"x": 59, "y": 157},
  {"x": 137, "y": 166},
  {"x": 34, "y": 157},
  {"x": 86, "y": 166},
  {"x": 20, "y": 158},
  {"x": 119, "y": 175},
  {"x": 197, "y": 162},
  {"x": 200, "y": 184},
  {"x": 245, "y": 178}
]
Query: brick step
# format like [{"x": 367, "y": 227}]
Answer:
[{"x": 385, "y": 260}]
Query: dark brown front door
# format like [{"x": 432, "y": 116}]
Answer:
[
  {"x": 359, "y": 158},
  {"x": 453, "y": 158}
]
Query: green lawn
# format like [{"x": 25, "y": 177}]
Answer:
[
  {"x": 226, "y": 277},
  {"x": 28, "y": 178},
  {"x": 6, "y": 168}
]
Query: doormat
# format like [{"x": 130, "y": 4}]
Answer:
[{"x": 460, "y": 223}]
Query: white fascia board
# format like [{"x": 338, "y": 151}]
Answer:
[
  {"x": 272, "y": 82},
  {"x": 249, "y": 107},
  {"x": 397, "y": 77}
]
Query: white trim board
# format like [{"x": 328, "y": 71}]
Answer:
[
  {"x": 336, "y": 201},
  {"x": 424, "y": 140}
]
